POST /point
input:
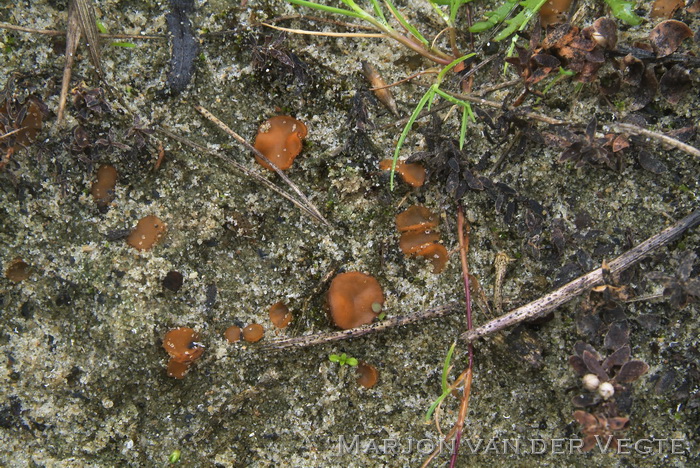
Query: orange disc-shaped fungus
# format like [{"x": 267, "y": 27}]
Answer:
[
  {"x": 102, "y": 189},
  {"x": 411, "y": 173},
  {"x": 147, "y": 233},
  {"x": 177, "y": 369},
  {"x": 412, "y": 241},
  {"x": 368, "y": 375},
  {"x": 253, "y": 332},
  {"x": 181, "y": 344},
  {"x": 18, "y": 270},
  {"x": 280, "y": 316},
  {"x": 233, "y": 334},
  {"x": 354, "y": 299},
  {"x": 279, "y": 139},
  {"x": 417, "y": 238},
  {"x": 414, "y": 218},
  {"x": 437, "y": 254}
]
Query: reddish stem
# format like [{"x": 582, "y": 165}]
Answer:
[{"x": 463, "y": 236}]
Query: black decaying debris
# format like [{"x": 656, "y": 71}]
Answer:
[{"x": 184, "y": 44}]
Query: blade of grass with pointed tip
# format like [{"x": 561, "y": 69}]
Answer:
[
  {"x": 329, "y": 9},
  {"x": 414, "y": 32},
  {"x": 445, "y": 386},
  {"x": 423, "y": 101},
  {"x": 378, "y": 11}
]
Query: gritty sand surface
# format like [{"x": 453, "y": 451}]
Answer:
[{"x": 84, "y": 380}]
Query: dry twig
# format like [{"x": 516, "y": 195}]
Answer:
[
  {"x": 252, "y": 174},
  {"x": 390, "y": 322},
  {"x": 580, "y": 285},
  {"x": 310, "y": 206}
]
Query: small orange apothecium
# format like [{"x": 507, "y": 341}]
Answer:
[
  {"x": 280, "y": 140},
  {"x": 354, "y": 299}
]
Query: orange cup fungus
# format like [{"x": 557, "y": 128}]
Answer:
[
  {"x": 18, "y": 270},
  {"x": 233, "y": 334},
  {"x": 280, "y": 316},
  {"x": 417, "y": 238},
  {"x": 411, "y": 173},
  {"x": 368, "y": 375},
  {"x": 354, "y": 299},
  {"x": 280, "y": 140},
  {"x": 149, "y": 230},
  {"x": 102, "y": 189},
  {"x": 181, "y": 344},
  {"x": 253, "y": 333}
]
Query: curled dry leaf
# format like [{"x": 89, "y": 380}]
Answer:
[
  {"x": 667, "y": 36},
  {"x": 675, "y": 84},
  {"x": 604, "y": 32}
]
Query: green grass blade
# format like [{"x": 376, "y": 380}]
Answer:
[
  {"x": 443, "y": 72},
  {"x": 414, "y": 32},
  {"x": 463, "y": 128},
  {"x": 446, "y": 367},
  {"x": 445, "y": 387},
  {"x": 428, "y": 96},
  {"x": 329, "y": 9},
  {"x": 127, "y": 45},
  {"x": 378, "y": 11}
]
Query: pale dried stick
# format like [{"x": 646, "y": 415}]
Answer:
[
  {"x": 244, "y": 142},
  {"x": 635, "y": 130},
  {"x": 252, "y": 174},
  {"x": 580, "y": 285},
  {"x": 390, "y": 322},
  {"x": 54, "y": 32}
]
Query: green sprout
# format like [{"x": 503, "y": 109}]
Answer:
[
  {"x": 174, "y": 456},
  {"x": 343, "y": 359},
  {"x": 446, "y": 389}
]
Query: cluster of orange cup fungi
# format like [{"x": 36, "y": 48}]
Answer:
[
  {"x": 280, "y": 316},
  {"x": 411, "y": 173},
  {"x": 418, "y": 236},
  {"x": 251, "y": 333},
  {"x": 354, "y": 299},
  {"x": 182, "y": 346},
  {"x": 148, "y": 231},
  {"x": 280, "y": 140}
]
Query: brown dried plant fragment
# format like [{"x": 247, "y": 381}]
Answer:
[
  {"x": 381, "y": 91},
  {"x": 667, "y": 36},
  {"x": 675, "y": 84},
  {"x": 631, "y": 371},
  {"x": 665, "y": 8}
]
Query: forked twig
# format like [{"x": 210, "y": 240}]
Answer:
[
  {"x": 390, "y": 322},
  {"x": 310, "y": 206},
  {"x": 252, "y": 174},
  {"x": 580, "y": 285}
]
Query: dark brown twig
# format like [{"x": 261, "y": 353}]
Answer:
[{"x": 580, "y": 285}]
